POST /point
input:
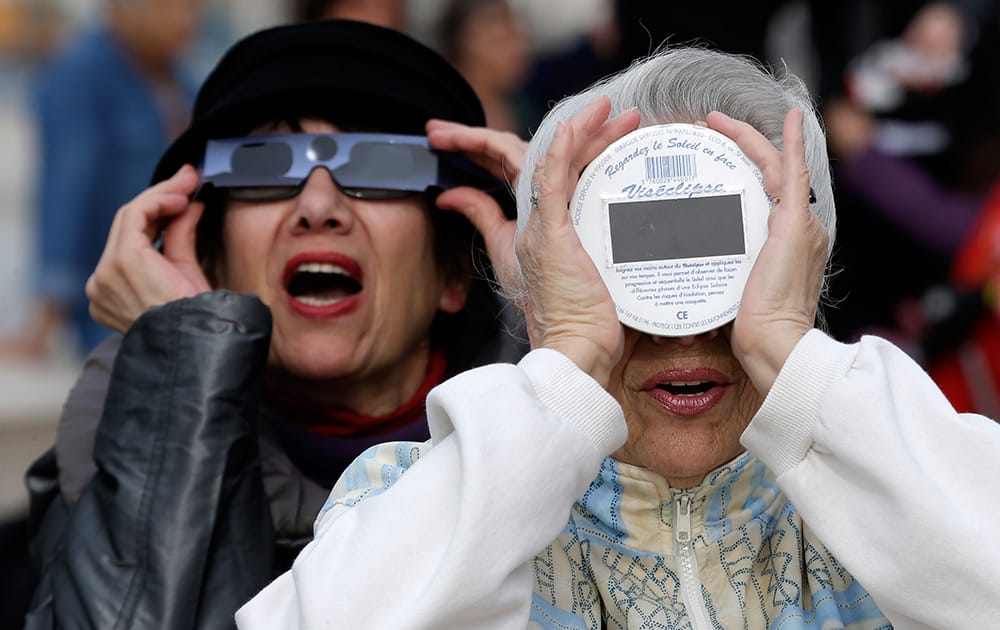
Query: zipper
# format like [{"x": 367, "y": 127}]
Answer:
[{"x": 687, "y": 564}]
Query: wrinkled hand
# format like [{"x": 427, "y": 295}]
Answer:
[
  {"x": 502, "y": 154},
  {"x": 132, "y": 275},
  {"x": 782, "y": 292},
  {"x": 568, "y": 308}
]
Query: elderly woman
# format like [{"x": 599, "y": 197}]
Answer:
[
  {"x": 305, "y": 302},
  {"x": 757, "y": 475}
]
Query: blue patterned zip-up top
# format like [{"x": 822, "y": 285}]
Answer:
[{"x": 733, "y": 553}]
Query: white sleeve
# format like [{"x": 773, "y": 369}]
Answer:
[
  {"x": 904, "y": 490},
  {"x": 450, "y": 544}
]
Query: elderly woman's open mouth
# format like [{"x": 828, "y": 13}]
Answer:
[{"x": 687, "y": 392}]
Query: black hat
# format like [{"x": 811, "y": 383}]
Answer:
[{"x": 341, "y": 70}]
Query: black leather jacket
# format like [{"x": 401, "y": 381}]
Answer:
[
  {"x": 170, "y": 528},
  {"x": 180, "y": 503}
]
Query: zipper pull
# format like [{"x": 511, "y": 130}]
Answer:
[{"x": 682, "y": 518}]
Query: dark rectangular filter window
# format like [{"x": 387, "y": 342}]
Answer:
[{"x": 669, "y": 229}]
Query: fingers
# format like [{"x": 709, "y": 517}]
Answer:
[
  {"x": 148, "y": 212},
  {"x": 139, "y": 222},
  {"x": 795, "y": 173},
  {"x": 179, "y": 235},
  {"x": 754, "y": 144},
  {"x": 553, "y": 176},
  {"x": 497, "y": 231},
  {"x": 479, "y": 208},
  {"x": 499, "y": 152},
  {"x": 131, "y": 274},
  {"x": 577, "y": 143},
  {"x": 597, "y": 132},
  {"x": 793, "y": 213}
]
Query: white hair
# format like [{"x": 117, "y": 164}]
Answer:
[{"x": 684, "y": 84}]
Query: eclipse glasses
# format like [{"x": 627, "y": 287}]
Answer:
[{"x": 364, "y": 165}]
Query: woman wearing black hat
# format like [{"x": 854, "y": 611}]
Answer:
[{"x": 292, "y": 315}]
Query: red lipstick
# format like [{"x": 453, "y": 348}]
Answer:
[{"x": 687, "y": 392}]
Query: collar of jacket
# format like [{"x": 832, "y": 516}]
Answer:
[{"x": 632, "y": 506}]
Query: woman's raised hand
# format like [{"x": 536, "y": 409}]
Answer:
[
  {"x": 782, "y": 293},
  {"x": 567, "y": 306},
  {"x": 132, "y": 275}
]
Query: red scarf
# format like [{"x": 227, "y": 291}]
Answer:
[{"x": 333, "y": 421}]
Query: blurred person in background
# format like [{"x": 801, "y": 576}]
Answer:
[
  {"x": 312, "y": 285},
  {"x": 916, "y": 145},
  {"x": 488, "y": 42},
  {"x": 387, "y": 13},
  {"x": 106, "y": 107},
  {"x": 629, "y": 29},
  {"x": 964, "y": 359}
]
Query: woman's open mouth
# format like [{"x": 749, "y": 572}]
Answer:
[
  {"x": 687, "y": 389},
  {"x": 322, "y": 284},
  {"x": 687, "y": 392}
]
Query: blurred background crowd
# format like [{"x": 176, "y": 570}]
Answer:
[{"x": 91, "y": 91}]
